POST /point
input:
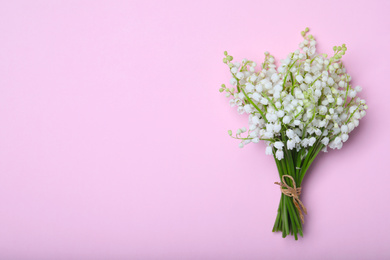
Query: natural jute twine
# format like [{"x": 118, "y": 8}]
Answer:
[{"x": 293, "y": 192}]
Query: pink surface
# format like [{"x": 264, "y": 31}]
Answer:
[{"x": 113, "y": 137}]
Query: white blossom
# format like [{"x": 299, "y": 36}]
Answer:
[
  {"x": 286, "y": 119},
  {"x": 249, "y": 87},
  {"x": 279, "y": 154},
  {"x": 312, "y": 140},
  {"x": 290, "y": 144},
  {"x": 290, "y": 133},
  {"x": 325, "y": 141},
  {"x": 308, "y": 98},
  {"x": 280, "y": 113},
  {"x": 344, "y": 129},
  {"x": 299, "y": 78},
  {"x": 233, "y": 81},
  {"x": 278, "y": 145},
  {"x": 277, "y": 128}
]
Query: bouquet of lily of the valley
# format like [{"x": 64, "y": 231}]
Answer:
[{"x": 300, "y": 108}]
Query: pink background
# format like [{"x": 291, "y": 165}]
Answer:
[{"x": 113, "y": 137}]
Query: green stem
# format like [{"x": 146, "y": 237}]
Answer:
[
  {"x": 288, "y": 218},
  {"x": 257, "y": 108}
]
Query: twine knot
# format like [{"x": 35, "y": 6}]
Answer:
[{"x": 293, "y": 192}]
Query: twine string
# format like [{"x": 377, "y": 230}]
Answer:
[{"x": 293, "y": 192}]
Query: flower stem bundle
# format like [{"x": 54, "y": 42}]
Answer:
[{"x": 299, "y": 108}]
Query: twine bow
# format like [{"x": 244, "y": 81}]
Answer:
[{"x": 293, "y": 192}]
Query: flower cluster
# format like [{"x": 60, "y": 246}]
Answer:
[{"x": 306, "y": 101}]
